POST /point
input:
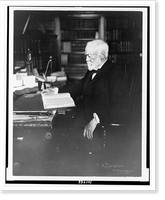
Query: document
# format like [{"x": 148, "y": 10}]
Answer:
[{"x": 61, "y": 100}]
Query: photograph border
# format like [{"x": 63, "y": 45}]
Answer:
[{"x": 146, "y": 103}]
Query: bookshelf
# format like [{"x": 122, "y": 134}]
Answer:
[
  {"x": 123, "y": 33},
  {"x": 76, "y": 31},
  {"x": 38, "y": 36},
  {"x": 121, "y": 30}
]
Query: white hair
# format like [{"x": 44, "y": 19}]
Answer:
[{"x": 98, "y": 46}]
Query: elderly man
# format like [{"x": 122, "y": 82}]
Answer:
[{"x": 104, "y": 91}]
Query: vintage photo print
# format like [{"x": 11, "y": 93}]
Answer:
[{"x": 66, "y": 126}]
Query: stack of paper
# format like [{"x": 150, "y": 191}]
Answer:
[
  {"x": 31, "y": 118},
  {"x": 61, "y": 100}
]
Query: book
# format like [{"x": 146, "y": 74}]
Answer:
[
  {"x": 61, "y": 100},
  {"x": 66, "y": 47},
  {"x": 64, "y": 59}
]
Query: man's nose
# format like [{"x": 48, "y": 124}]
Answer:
[{"x": 87, "y": 58}]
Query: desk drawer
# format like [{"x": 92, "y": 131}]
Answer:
[
  {"x": 33, "y": 133},
  {"x": 34, "y": 150}
]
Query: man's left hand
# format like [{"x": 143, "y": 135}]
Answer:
[{"x": 89, "y": 129}]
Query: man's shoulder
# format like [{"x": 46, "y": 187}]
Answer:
[
  {"x": 112, "y": 68},
  {"x": 108, "y": 65},
  {"x": 115, "y": 72}
]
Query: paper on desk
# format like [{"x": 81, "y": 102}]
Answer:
[{"x": 61, "y": 100}]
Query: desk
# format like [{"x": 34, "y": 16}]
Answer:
[
  {"x": 19, "y": 91},
  {"x": 32, "y": 140},
  {"x": 59, "y": 148},
  {"x": 29, "y": 102}
]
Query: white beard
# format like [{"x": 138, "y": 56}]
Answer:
[
  {"x": 91, "y": 66},
  {"x": 95, "y": 65}
]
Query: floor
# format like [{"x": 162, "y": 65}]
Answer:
[{"x": 63, "y": 151}]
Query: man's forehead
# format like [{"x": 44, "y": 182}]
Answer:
[{"x": 90, "y": 50}]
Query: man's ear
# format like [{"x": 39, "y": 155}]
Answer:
[{"x": 103, "y": 55}]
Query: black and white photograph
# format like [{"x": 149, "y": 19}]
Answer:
[{"x": 78, "y": 94}]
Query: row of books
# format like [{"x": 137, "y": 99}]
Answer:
[
  {"x": 118, "y": 46},
  {"x": 36, "y": 46},
  {"x": 78, "y": 23},
  {"x": 125, "y": 46},
  {"x": 116, "y": 34},
  {"x": 74, "y": 46},
  {"x": 37, "y": 62},
  {"x": 72, "y": 59},
  {"x": 134, "y": 23},
  {"x": 114, "y": 58},
  {"x": 131, "y": 58},
  {"x": 21, "y": 46},
  {"x": 113, "y": 34},
  {"x": 75, "y": 69},
  {"x": 77, "y": 34},
  {"x": 75, "y": 74}
]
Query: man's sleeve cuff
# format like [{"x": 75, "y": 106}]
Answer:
[{"x": 96, "y": 118}]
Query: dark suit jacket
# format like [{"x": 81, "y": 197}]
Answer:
[{"x": 106, "y": 95}]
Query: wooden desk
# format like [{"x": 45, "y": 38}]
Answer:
[
  {"x": 31, "y": 105},
  {"x": 34, "y": 139},
  {"x": 59, "y": 148}
]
